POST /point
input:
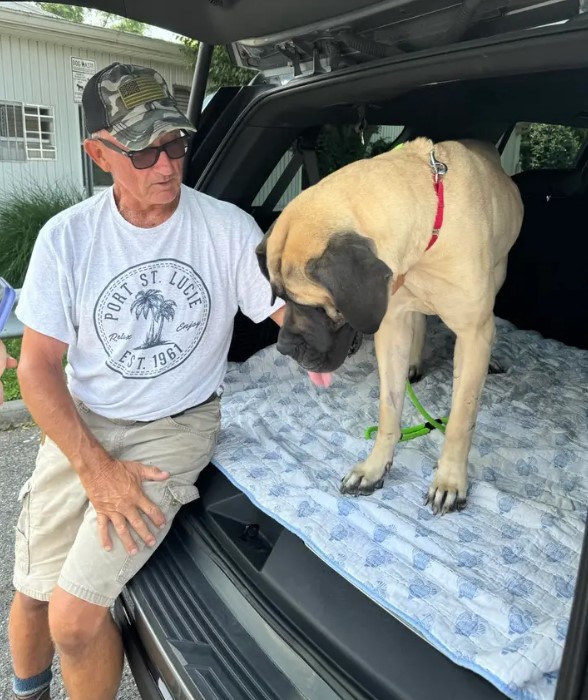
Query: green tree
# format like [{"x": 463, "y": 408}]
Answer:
[
  {"x": 81, "y": 15},
  {"x": 120, "y": 24},
  {"x": 550, "y": 146},
  {"x": 71, "y": 12},
  {"x": 341, "y": 144},
  {"x": 222, "y": 69}
]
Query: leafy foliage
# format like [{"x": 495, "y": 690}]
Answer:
[
  {"x": 82, "y": 15},
  {"x": 339, "y": 145},
  {"x": 120, "y": 24},
  {"x": 71, "y": 12},
  {"x": 23, "y": 212},
  {"x": 222, "y": 70},
  {"x": 9, "y": 380},
  {"x": 550, "y": 146}
]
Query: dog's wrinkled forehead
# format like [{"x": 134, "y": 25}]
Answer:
[
  {"x": 346, "y": 274},
  {"x": 285, "y": 268}
]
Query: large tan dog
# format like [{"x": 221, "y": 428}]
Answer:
[{"x": 356, "y": 253}]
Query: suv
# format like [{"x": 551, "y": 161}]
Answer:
[{"x": 234, "y": 605}]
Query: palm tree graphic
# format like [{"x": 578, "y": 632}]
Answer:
[{"x": 153, "y": 302}]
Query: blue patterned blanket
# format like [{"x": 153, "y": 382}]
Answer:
[{"x": 491, "y": 586}]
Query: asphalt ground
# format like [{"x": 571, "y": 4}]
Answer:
[{"x": 18, "y": 449}]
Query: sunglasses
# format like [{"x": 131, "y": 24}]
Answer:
[{"x": 147, "y": 157}]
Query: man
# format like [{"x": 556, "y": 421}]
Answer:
[
  {"x": 6, "y": 362},
  {"x": 139, "y": 286}
]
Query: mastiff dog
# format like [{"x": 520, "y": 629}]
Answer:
[{"x": 373, "y": 248}]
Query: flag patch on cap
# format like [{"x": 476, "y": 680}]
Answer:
[{"x": 141, "y": 89}]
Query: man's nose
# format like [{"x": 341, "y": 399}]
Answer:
[{"x": 164, "y": 164}]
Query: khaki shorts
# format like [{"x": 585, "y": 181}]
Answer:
[{"x": 57, "y": 539}]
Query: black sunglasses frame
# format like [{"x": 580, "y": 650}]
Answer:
[{"x": 157, "y": 149}]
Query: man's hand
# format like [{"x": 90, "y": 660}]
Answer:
[
  {"x": 116, "y": 494},
  {"x": 6, "y": 362}
]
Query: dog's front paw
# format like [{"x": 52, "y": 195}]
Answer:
[
  {"x": 414, "y": 374},
  {"x": 363, "y": 479},
  {"x": 494, "y": 367},
  {"x": 448, "y": 491}
]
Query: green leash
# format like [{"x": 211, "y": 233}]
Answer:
[{"x": 416, "y": 430}]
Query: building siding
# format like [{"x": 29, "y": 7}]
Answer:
[{"x": 39, "y": 72}]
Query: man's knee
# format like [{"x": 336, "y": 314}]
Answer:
[
  {"x": 30, "y": 606},
  {"x": 74, "y": 623}
]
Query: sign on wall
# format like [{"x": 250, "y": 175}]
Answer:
[{"x": 82, "y": 70}]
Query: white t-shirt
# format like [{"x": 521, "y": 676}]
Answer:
[{"x": 147, "y": 313}]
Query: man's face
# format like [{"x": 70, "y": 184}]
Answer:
[{"x": 157, "y": 185}]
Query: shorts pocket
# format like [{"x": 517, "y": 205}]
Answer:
[
  {"x": 22, "y": 551},
  {"x": 179, "y": 494},
  {"x": 202, "y": 420},
  {"x": 175, "y": 495}
]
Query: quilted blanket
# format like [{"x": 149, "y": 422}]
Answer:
[{"x": 491, "y": 586}]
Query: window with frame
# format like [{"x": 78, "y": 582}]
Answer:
[
  {"x": 535, "y": 146},
  {"x": 182, "y": 97},
  {"x": 27, "y": 132},
  {"x": 336, "y": 146}
]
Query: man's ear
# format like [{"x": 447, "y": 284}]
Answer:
[
  {"x": 357, "y": 280},
  {"x": 96, "y": 152}
]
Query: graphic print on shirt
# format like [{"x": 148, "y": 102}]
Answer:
[{"x": 151, "y": 317}]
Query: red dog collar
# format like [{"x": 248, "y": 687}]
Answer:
[{"x": 439, "y": 169}]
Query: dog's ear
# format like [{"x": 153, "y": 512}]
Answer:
[
  {"x": 356, "y": 278},
  {"x": 261, "y": 252}
]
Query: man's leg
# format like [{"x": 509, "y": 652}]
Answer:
[
  {"x": 91, "y": 578},
  {"x": 89, "y": 645},
  {"x": 53, "y": 503},
  {"x": 30, "y": 643}
]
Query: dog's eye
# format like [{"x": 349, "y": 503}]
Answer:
[{"x": 336, "y": 319}]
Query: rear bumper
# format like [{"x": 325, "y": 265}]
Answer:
[
  {"x": 190, "y": 633},
  {"x": 147, "y": 683}
]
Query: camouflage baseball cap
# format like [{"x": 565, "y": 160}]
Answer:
[{"x": 133, "y": 104}]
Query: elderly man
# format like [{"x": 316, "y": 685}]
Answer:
[{"x": 139, "y": 285}]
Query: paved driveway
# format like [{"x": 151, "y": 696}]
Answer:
[{"x": 18, "y": 448}]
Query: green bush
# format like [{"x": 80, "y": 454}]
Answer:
[
  {"x": 23, "y": 212},
  {"x": 550, "y": 146},
  {"x": 341, "y": 144},
  {"x": 9, "y": 380}
]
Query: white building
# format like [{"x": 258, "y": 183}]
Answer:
[{"x": 40, "y": 85}]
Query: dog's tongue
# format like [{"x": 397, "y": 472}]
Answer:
[{"x": 323, "y": 379}]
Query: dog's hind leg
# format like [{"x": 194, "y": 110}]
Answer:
[
  {"x": 392, "y": 342},
  {"x": 416, "y": 348},
  {"x": 448, "y": 489}
]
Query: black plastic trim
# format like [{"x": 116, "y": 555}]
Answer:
[
  {"x": 136, "y": 655},
  {"x": 192, "y": 639},
  {"x": 274, "y": 110},
  {"x": 573, "y": 675}
]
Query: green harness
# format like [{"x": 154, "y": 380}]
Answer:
[{"x": 416, "y": 430}]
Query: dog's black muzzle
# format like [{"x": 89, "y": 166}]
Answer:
[
  {"x": 324, "y": 350},
  {"x": 355, "y": 344}
]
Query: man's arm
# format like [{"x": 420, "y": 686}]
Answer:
[
  {"x": 113, "y": 487},
  {"x": 278, "y": 316}
]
